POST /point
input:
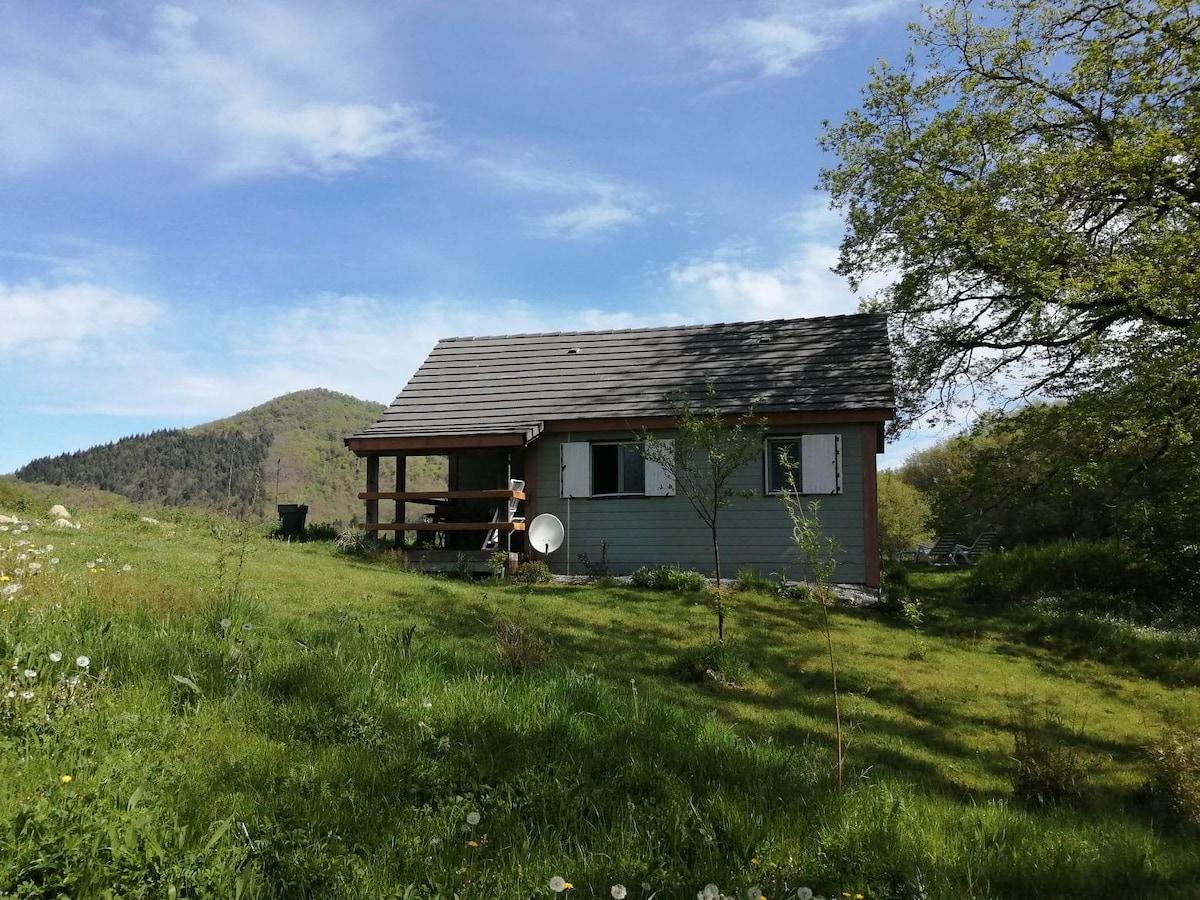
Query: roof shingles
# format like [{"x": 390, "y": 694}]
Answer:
[{"x": 513, "y": 384}]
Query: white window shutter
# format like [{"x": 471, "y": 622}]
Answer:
[
  {"x": 659, "y": 481},
  {"x": 576, "y": 463},
  {"x": 821, "y": 464}
]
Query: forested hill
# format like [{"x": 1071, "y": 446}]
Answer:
[{"x": 288, "y": 450}]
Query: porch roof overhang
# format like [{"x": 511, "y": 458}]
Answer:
[{"x": 434, "y": 443}]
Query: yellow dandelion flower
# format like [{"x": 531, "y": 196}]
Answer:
[
  {"x": 65, "y": 779},
  {"x": 472, "y": 843}
]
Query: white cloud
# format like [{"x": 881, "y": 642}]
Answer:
[
  {"x": 774, "y": 46},
  {"x": 588, "y": 220},
  {"x": 253, "y": 87},
  {"x": 779, "y": 42},
  {"x": 57, "y": 322},
  {"x": 599, "y": 205}
]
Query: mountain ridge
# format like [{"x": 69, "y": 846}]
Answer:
[{"x": 287, "y": 450}]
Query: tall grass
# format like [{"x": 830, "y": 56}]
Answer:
[{"x": 368, "y": 716}]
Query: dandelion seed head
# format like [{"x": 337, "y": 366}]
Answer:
[
  {"x": 226, "y": 623},
  {"x": 126, "y": 568},
  {"x": 711, "y": 892},
  {"x": 26, "y": 695},
  {"x": 82, "y": 661},
  {"x": 472, "y": 818},
  {"x": 617, "y": 891},
  {"x": 31, "y": 673},
  {"x": 55, "y": 656},
  {"x": 804, "y": 894},
  {"x": 247, "y": 627},
  {"x": 558, "y": 884}
]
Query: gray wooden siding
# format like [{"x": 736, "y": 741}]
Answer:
[{"x": 755, "y": 533}]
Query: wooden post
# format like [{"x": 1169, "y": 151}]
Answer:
[
  {"x": 401, "y": 506},
  {"x": 372, "y": 486}
]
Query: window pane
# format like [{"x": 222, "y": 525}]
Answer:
[
  {"x": 605, "y": 469},
  {"x": 633, "y": 471},
  {"x": 784, "y": 454}
]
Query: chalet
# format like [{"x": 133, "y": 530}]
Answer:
[{"x": 543, "y": 423}]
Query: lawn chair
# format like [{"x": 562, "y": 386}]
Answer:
[
  {"x": 942, "y": 551},
  {"x": 986, "y": 542}
]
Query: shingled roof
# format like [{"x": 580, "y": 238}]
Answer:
[{"x": 516, "y": 384}]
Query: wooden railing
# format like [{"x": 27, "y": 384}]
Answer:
[{"x": 434, "y": 498}]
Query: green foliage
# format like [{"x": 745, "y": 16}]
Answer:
[
  {"x": 1174, "y": 784},
  {"x": 533, "y": 572},
  {"x": 723, "y": 662},
  {"x": 347, "y": 763},
  {"x": 749, "y": 580},
  {"x": 819, "y": 552},
  {"x": 16, "y": 498},
  {"x": 1101, "y": 577},
  {"x": 1028, "y": 180},
  {"x": 898, "y": 598},
  {"x": 668, "y": 578},
  {"x": 596, "y": 569},
  {"x": 521, "y": 648},
  {"x": 218, "y": 470},
  {"x": 498, "y": 564},
  {"x": 903, "y": 516},
  {"x": 1051, "y": 764}
]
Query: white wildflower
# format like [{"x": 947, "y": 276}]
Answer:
[
  {"x": 26, "y": 695},
  {"x": 55, "y": 656},
  {"x": 558, "y": 884},
  {"x": 31, "y": 673},
  {"x": 617, "y": 891},
  {"x": 82, "y": 661},
  {"x": 426, "y": 703},
  {"x": 804, "y": 894},
  {"x": 472, "y": 818}
]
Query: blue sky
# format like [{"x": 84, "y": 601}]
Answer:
[{"x": 206, "y": 205}]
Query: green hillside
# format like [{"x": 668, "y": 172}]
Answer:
[
  {"x": 288, "y": 450},
  {"x": 188, "y": 709}
]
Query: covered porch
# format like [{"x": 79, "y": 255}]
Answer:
[{"x": 480, "y": 510}]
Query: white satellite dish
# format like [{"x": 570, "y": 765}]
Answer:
[{"x": 545, "y": 533}]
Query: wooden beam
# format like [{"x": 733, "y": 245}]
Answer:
[
  {"x": 444, "y": 526},
  {"x": 433, "y": 445},
  {"x": 372, "y": 487},
  {"x": 441, "y": 496}
]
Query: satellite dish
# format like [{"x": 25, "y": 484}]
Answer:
[{"x": 545, "y": 533}]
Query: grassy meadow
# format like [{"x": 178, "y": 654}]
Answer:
[{"x": 214, "y": 714}]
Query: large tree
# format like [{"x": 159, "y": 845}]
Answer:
[{"x": 1029, "y": 178}]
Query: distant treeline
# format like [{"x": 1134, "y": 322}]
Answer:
[{"x": 216, "y": 469}]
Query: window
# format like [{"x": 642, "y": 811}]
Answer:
[
  {"x": 617, "y": 469},
  {"x": 815, "y": 458},
  {"x": 611, "y": 469}
]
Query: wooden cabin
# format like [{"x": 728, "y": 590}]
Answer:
[{"x": 543, "y": 423}]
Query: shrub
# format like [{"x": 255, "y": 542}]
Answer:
[
  {"x": 351, "y": 541},
  {"x": 750, "y": 581},
  {"x": 1050, "y": 766},
  {"x": 597, "y": 570},
  {"x": 535, "y": 572},
  {"x": 322, "y": 531},
  {"x": 521, "y": 649},
  {"x": 1025, "y": 573},
  {"x": 720, "y": 661},
  {"x": 897, "y": 598},
  {"x": 1174, "y": 784},
  {"x": 668, "y": 578}
]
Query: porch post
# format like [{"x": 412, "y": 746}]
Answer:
[
  {"x": 401, "y": 506},
  {"x": 372, "y": 487}
]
